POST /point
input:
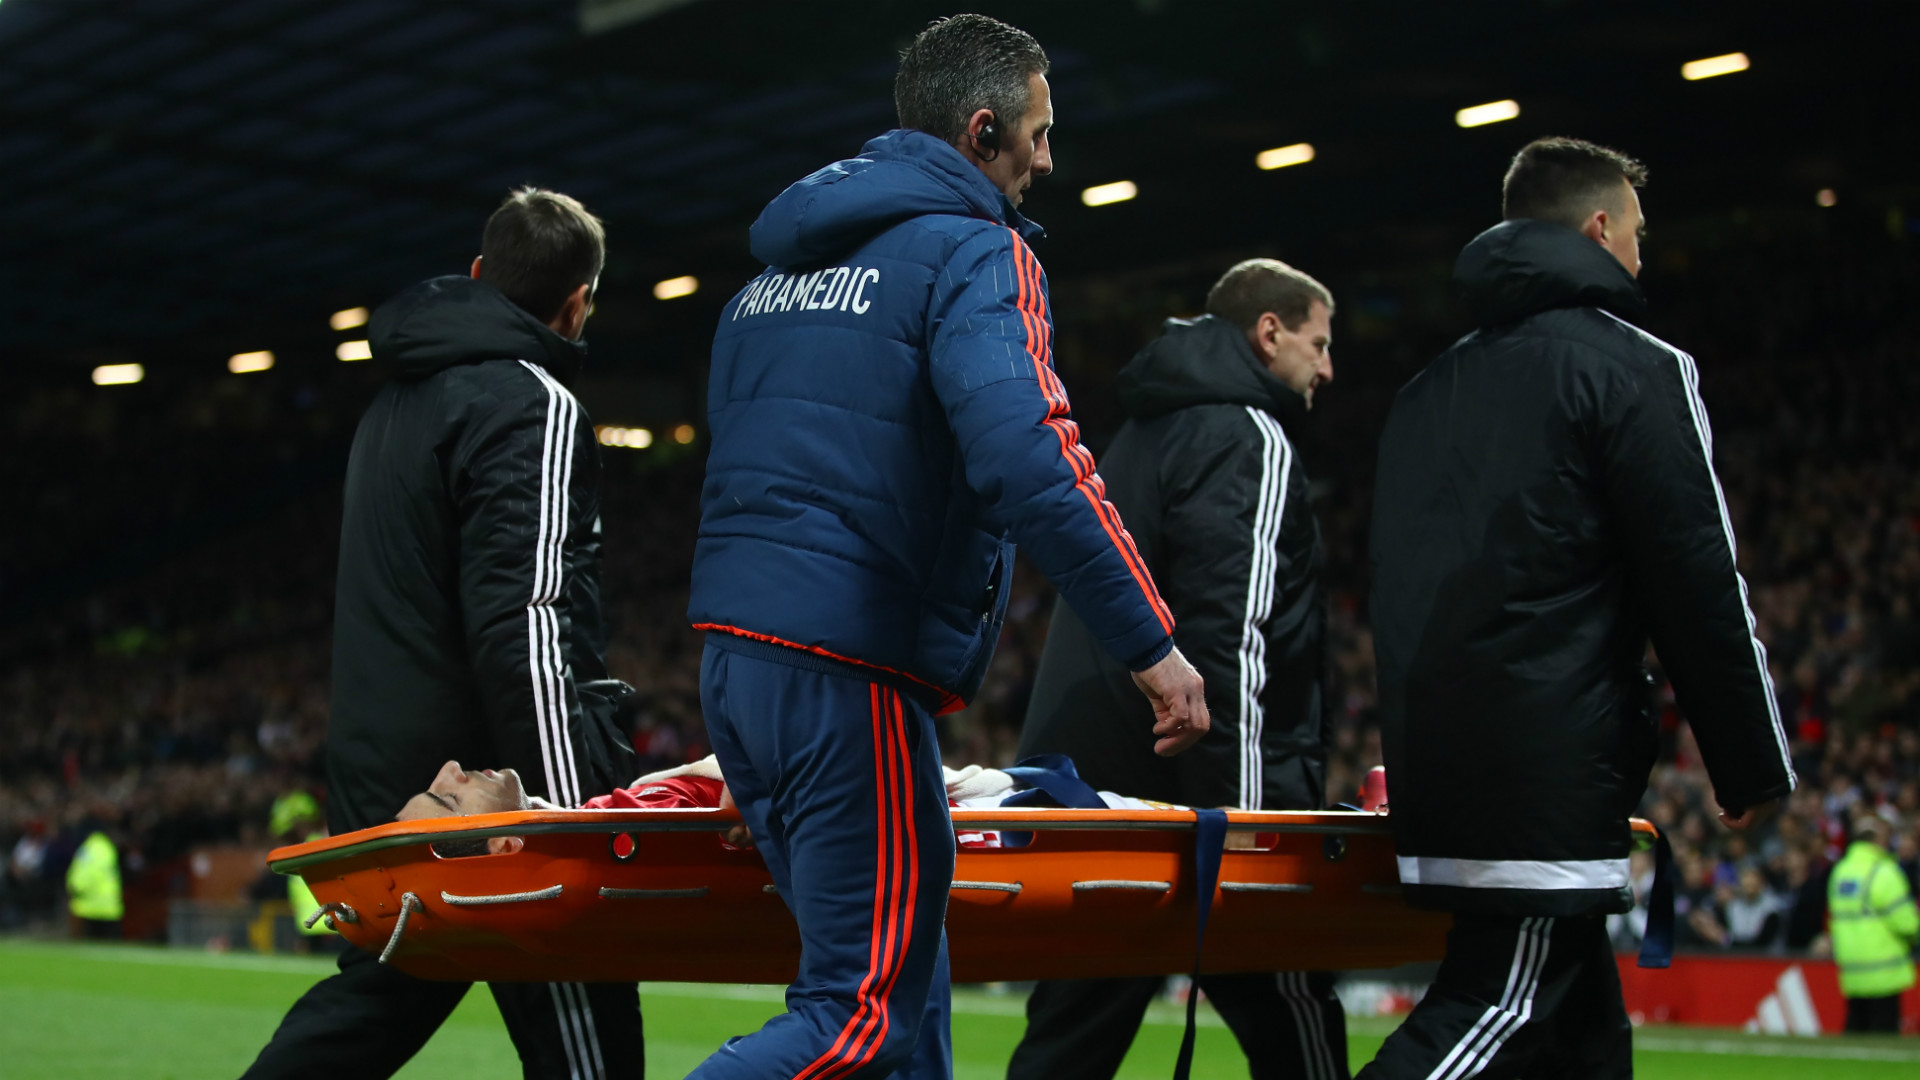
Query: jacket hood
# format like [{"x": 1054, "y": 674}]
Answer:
[
  {"x": 898, "y": 176},
  {"x": 1203, "y": 361},
  {"x": 1523, "y": 267},
  {"x": 446, "y": 321}
]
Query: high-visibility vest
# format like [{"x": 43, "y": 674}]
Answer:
[
  {"x": 300, "y": 900},
  {"x": 93, "y": 880},
  {"x": 1873, "y": 921}
]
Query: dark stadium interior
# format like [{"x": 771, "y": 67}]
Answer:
[{"x": 190, "y": 180}]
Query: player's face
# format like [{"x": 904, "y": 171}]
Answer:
[
  {"x": 1302, "y": 357},
  {"x": 455, "y": 792},
  {"x": 1024, "y": 150}
]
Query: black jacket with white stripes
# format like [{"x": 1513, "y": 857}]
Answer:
[
  {"x": 1545, "y": 505},
  {"x": 1217, "y": 501},
  {"x": 467, "y": 614}
]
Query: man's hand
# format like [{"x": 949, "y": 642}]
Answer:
[
  {"x": 1751, "y": 816},
  {"x": 1179, "y": 703},
  {"x": 739, "y": 836}
]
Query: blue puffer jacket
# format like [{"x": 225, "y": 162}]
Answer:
[{"x": 886, "y": 422}]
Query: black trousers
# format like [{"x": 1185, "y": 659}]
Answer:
[
  {"x": 1289, "y": 1025},
  {"x": 367, "y": 1021},
  {"x": 1534, "y": 997},
  {"x": 1874, "y": 1013}
]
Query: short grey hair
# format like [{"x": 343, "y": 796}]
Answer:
[{"x": 960, "y": 65}]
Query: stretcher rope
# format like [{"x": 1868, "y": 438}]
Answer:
[
  {"x": 547, "y": 893},
  {"x": 989, "y": 886},
  {"x": 329, "y": 909},
  {"x": 1263, "y": 886},
  {"x": 409, "y": 903},
  {"x": 1105, "y": 883},
  {"x": 653, "y": 894}
]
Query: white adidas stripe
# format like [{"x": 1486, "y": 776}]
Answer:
[
  {"x": 1690, "y": 380},
  {"x": 545, "y": 658},
  {"x": 566, "y": 1035},
  {"x": 1529, "y": 958},
  {"x": 1276, "y": 465},
  {"x": 1316, "y": 1055}
]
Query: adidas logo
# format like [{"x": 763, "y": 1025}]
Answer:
[{"x": 1789, "y": 1009}]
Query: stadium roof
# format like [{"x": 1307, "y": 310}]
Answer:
[{"x": 181, "y": 173}]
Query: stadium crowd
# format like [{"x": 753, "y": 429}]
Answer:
[{"x": 174, "y": 703}]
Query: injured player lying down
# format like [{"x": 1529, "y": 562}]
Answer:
[{"x": 457, "y": 792}]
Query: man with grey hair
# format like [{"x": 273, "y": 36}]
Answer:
[
  {"x": 1217, "y": 498},
  {"x": 886, "y": 423}
]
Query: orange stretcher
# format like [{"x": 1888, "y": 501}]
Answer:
[{"x": 622, "y": 895}]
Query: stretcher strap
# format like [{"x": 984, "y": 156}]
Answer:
[
  {"x": 1210, "y": 839},
  {"x": 1656, "y": 946},
  {"x": 1053, "y": 775}
]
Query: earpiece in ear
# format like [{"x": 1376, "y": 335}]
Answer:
[{"x": 987, "y": 142}]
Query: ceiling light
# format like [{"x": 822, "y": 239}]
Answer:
[
  {"x": 1102, "y": 194},
  {"x": 118, "y": 374},
  {"x": 242, "y": 363},
  {"x": 1826, "y": 197},
  {"x": 683, "y": 434},
  {"x": 675, "y": 288},
  {"x": 638, "y": 438},
  {"x": 353, "y": 350},
  {"x": 348, "y": 319},
  {"x": 1713, "y": 65},
  {"x": 1282, "y": 156},
  {"x": 1491, "y": 113}
]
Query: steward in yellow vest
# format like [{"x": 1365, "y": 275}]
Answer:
[
  {"x": 93, "y": 884},
  {"x": 1874, "y": 923}
]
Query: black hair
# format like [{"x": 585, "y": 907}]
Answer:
[
  {"x": 960, "y": 65},
  {"x": 538, "y": 247},
  {"x": 1252, "y": 288},
  {"x": 1565, "y": 180}
]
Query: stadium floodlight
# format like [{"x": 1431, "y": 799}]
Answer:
[
  {"x": 638, "y": 438},
  {"x": 354, "y": 350},
  {"x": 1104, "y": 194},
  {"x": 348, "y": 318},
  {"x": 1826, "y": 197},
  {"x": 675, "y": 288},
  {"x": 1282, "y": 156},
  {"x": 247, "y": 362},
  {"x": 683, "y": 434},
  {"x": 118, "y": 374},
  {"x": 1491, "y": 113},
  {"x": 1695, "y": 70}
]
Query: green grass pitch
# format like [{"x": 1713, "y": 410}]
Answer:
[{"x": 76, "y": 1012}]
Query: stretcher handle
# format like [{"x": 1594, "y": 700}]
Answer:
[
  {"x": 1264, "y": 886},
  {"x": 330, "y": 909},
  {"x": 548, "y": 893},
  {"x": 409, "y": 904},
  {"x": 989, "y": 886},
  {"x": 1120, "y": 884}
]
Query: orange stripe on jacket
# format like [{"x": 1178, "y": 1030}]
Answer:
[
  {"x": 1031, "y": 302},
  {"x": 949, "y": 701}
]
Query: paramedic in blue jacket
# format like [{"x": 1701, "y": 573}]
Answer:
[{"x": 886, "y": 422}]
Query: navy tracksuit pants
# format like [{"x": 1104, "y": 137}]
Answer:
[{"x": 839, "y": 779}]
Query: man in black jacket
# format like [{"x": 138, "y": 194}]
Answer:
[
  {"x": 467, "y": 618},
  {"x": 1217, "y": 500},
  {"x": 1546, "y": 505}
]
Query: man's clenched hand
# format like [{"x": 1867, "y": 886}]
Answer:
[{"x": 1179, "y": 703}]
